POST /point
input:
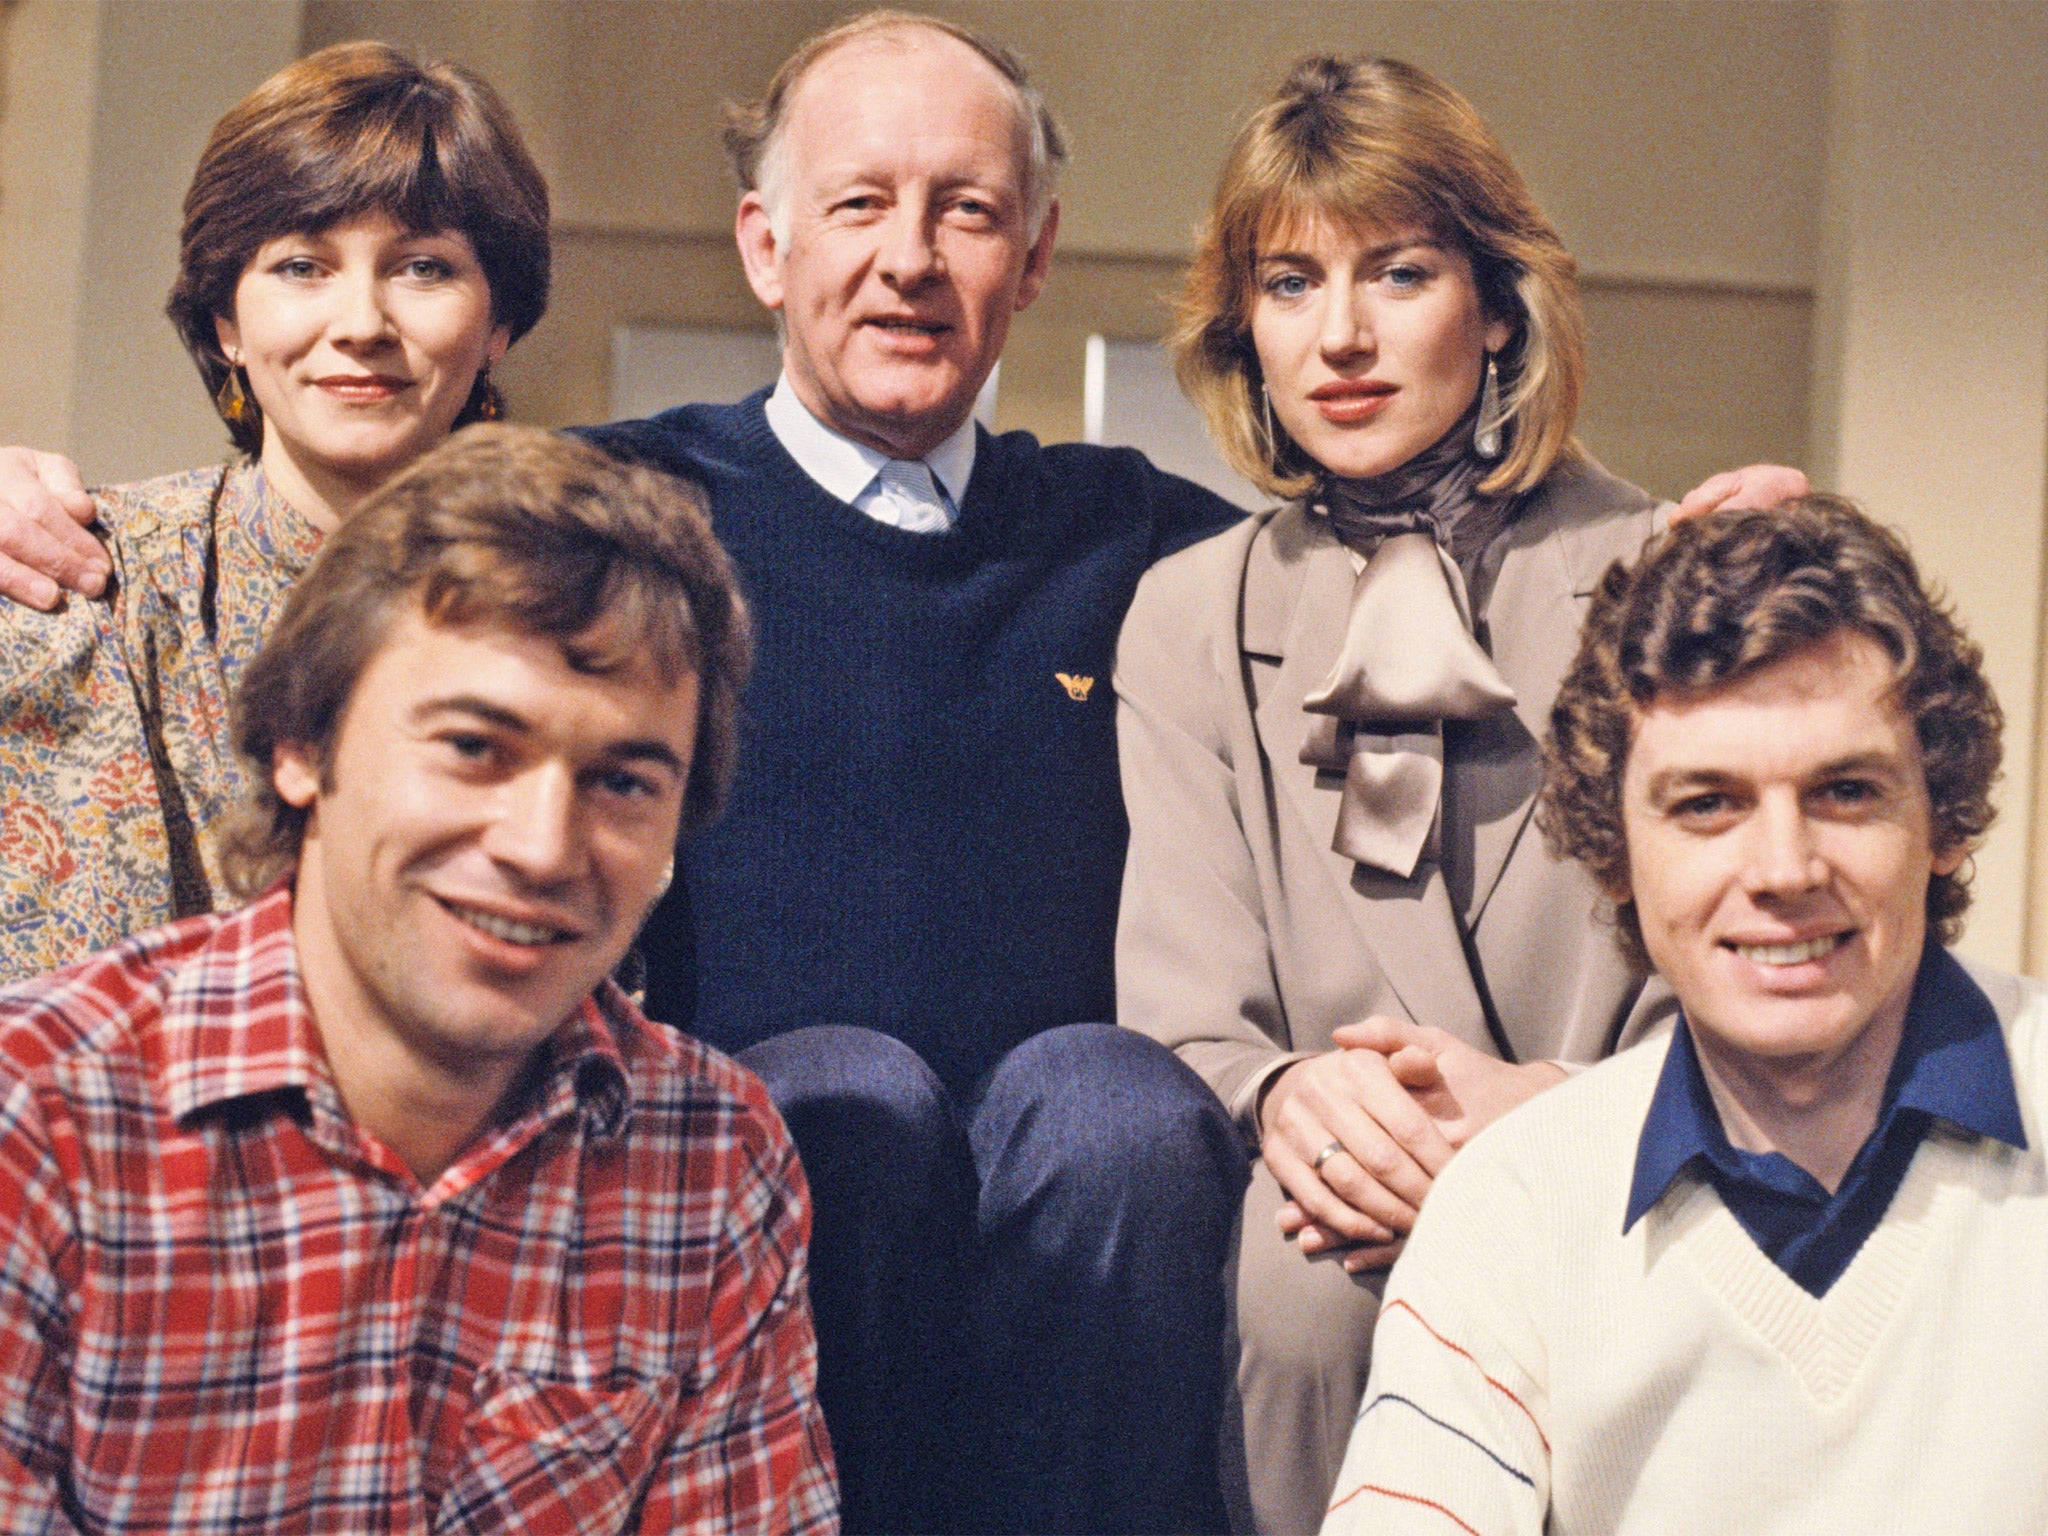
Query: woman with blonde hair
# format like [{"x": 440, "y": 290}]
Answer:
[
  {"x": 363, "y": 238},
  {"x": 1334, "y": 908}
]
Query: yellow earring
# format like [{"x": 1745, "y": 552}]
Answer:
[{"x": 232, "y": 399}]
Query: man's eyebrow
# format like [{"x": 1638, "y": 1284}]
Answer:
[
  {"x": 1875, "y": 762},
  {"x": 636, "y": 749},
  {"x": 647, "y": 751},
  {"x": 470, "y": 704},
  {"x": 1668, "y": 781}
]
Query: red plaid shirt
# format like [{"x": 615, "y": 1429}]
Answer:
[{"x": 225, "y": 1308}]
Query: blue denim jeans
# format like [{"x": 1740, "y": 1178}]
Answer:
[{"x": 1019, "y": 1295}]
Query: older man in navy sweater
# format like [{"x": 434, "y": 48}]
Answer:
[{"x": 904, "y": 920}]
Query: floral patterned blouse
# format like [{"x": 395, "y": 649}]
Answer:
[{"x": 117, "y": 770}]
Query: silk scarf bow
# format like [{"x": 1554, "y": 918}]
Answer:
[{"x": 1408, "y": 661}]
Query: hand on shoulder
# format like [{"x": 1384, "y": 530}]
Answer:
[{"x": 45, "y": 549}]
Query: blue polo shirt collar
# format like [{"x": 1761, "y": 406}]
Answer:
[{"x": 1951, "y": 1065}]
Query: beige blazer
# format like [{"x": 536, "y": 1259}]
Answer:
[{"x": 1244, "y": 939}]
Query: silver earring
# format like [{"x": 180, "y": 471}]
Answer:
[
  {"x": 1272, "y": 437},
  {"x": 1486, "y": 427}
]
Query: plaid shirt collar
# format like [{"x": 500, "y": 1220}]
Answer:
[{"x": 236, "y": 1025}]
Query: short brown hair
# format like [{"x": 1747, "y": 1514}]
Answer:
[
  {"x": 754, "y": 129},
  {"x": 354, "y": 129},
  {"x": 508, "y": 525},
  {"x": 1376, "y": 143},
  {"x": 1722, "y": 595}
]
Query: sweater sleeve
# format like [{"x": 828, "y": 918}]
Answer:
[
  {"x": 1452, "y": 1435},
  {"x": 1183, "y": 513}
]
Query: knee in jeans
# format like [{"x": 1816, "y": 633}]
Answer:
[
  {"x": 855, "y": 1091},
  {"x": 1111, "y": 1104}
]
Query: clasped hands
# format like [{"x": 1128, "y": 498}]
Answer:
[{"x": 1355, "y": 1136}]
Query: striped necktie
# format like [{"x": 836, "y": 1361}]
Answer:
[{"x": 908, "y": 488}]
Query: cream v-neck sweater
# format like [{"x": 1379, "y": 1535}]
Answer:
[{"x": 1537, "y": 1369}]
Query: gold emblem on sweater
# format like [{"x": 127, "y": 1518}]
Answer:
[{"x": 1077, "y": 687}]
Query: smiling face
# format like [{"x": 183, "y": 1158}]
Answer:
[
  {"x": 1780, "y": 845},
  {"x": 1371, "y": 341},
  {"x": 905, "y": 248},
  {"x": 361, "y": 344},
  {"x": 492, "y": 830}
]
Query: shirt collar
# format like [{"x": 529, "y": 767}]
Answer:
[
  {"x": 1951, "y": 1063},
  {"x": 235, "y": 1021},
  {"x": 236, "y": 1025},
  {"x": 846, "y": 468}
]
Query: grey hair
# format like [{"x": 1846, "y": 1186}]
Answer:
[{"x": 756, "y": 138}]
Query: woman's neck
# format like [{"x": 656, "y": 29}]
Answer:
[{"x": 323, "y": 497}]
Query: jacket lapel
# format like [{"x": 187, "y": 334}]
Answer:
[
  {"x": 1530, "y": 614},
  {"x": 1533, "y": 615},
  {"x": 1297, "y": 598}
]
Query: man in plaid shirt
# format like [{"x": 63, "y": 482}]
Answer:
[{"x": 375, "y": 1206}]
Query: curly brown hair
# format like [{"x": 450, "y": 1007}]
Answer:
[
  {"x": 506, "y": 525},
  {"x": 1725, "y": 594}
]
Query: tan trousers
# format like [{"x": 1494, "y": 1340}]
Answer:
[{"x": 1301, "y": 1333}]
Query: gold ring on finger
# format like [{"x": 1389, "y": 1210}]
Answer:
[{"x": 1325, "y": 1155}]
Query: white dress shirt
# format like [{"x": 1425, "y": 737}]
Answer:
[{"x": 851, "y": 471}]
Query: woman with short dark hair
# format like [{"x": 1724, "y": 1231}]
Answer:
[{"x": 363, "y": 239}]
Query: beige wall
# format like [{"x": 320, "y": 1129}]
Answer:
[
  {"x": 1932, "y": 363},
  {"x": 1627, "y": 118},
  {"x": 109, "y": 102},
  {"x": 45, "y": 151}
]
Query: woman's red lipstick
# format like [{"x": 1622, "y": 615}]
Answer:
[
  {"x": 362, "y": 386},
  {"x": 1346, "y": 402}
]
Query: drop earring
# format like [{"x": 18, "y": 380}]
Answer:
[
  {"x": 485, "y": 403},
  {"x": 232, "y": 399},
  {"x": 1486, "y": 427},
  {"x": 1272, "y": 437}
]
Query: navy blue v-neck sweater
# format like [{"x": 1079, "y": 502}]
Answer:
[{"x": 926, "y": 833}]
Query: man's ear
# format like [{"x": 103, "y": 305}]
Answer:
[
  {"x": 1038, "y": 260},
  {"x": 1948, "y": 860},
  {"x": 754, "y": 233},
  {"x": 295, "y": 774}
]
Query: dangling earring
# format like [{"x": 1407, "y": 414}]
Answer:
[
  {"x": 1486, "y": 426},
  {"x": 232, "y": 399},
  {"x": 484, "y": 403},
  {"x": 1272, "y": 437}
]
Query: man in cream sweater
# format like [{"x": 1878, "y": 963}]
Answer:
[{"x": 1782, "y": 1271}]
